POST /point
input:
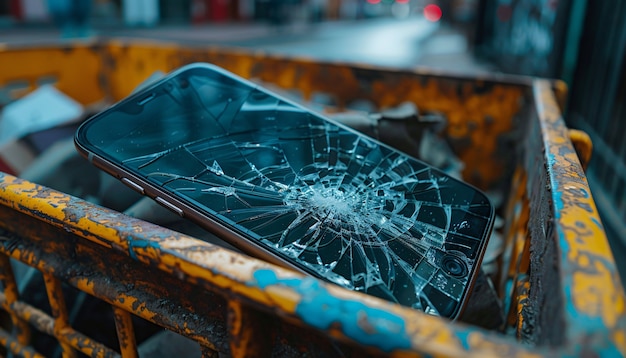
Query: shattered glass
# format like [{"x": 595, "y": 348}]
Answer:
[{"x": 340, "y": 205}]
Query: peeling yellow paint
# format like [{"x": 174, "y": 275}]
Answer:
[
  {"x": 476, "y": 120},
  {"x": 596, "y": 295}
]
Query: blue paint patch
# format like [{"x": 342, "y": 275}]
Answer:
[
  {"x": 598, "y": 223},
  {"x": 508, "y": 299},
  {"x": 464, "y": 338},
  {"x": 140, "y": 244},
  {"x": 611, "y": 351},
  {"x": 557, "y": 196},
  {"x": 551, "y": 159},
  {"x": 583, "y": 322},
  {"x": 558, "y": 201},
  {"x": 320, "y": 309},
  {"x": 565, "y": 248}
]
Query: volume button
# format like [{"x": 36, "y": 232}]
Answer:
[
  {"x": 133, "y": 185},
  {"x": 169, "y": 205}
]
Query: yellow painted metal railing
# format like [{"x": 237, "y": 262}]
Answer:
[{"x": 557, "y": 276}]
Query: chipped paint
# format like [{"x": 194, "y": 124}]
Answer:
[
  {"x": 134, "y": 244},
  {"x": 484, "y": 124},
  {"x": 594, "y": 297},
  {"x": 358, "y": 321}
]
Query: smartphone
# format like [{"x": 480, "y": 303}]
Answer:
[{"x": 295, "y": 188}]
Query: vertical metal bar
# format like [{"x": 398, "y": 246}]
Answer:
[
  {"x": 125, "y": 333},
  {"x": 20, "y": 327},
  {"x": 59, "y": 312},
  {"x": 249, "y": 332}
]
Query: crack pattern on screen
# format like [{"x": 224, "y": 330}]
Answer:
[{"x": 346, "y": 208}]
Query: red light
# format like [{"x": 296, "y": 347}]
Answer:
[
  {"x": 373, "y": 1},
  {"x": 402, "y": 1},
  {"x": 432, "y": 12}
]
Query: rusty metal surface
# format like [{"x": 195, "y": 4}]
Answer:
[
  {"x": 26, "y": 67},
  {"x": 582, "y": 145},
  {"x": 349, "y": 317},
  {"x": 8, "y": 341},
  {"x": 37, "y": 318},
  {"x": 481, "y": 112},
  {"x": 59, "y": 312},
  {"x": 586, "y": 291},
  {"x": 558, "y": 278},
  {"x": 125, "y": 333},
  {"x": 10, "y": 298},
  {"x": 121, "y": 282}
]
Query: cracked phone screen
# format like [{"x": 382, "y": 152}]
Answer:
[{"x": 335, "y": 203}]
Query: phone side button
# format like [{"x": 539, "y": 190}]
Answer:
[
  {"x": 133, "y": 185},
  {"x": 169, "y": 205}
]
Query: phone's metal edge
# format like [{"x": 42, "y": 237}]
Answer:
[
  {"x": 249, "y": 246},
  {"x": 479, "y": 259}
]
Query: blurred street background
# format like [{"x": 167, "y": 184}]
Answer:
[
  {"x": 388, "y": 33},
  {"x": 578, "y": 41}
]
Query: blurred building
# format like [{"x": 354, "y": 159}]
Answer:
[{"x": 150, "y": 12}]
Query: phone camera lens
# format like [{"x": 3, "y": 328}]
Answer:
[
  {"x": 454, "y": 266},
  {"x": 184, "y": 83}
]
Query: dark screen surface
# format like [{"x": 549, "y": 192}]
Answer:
[{"x": 339, "y": 205}]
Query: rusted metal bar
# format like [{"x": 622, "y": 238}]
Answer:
[
  {"x": 128, "y": 285},
  {"x": 59, "y": 311},
  {"x": 125, "y": 333},
  {"x": 146, "y": 253},
  {"x": 46, "y": 324},
  {"x": 16, "y": 347},
  {"x": 70, "y": 339},
  {"x": 34, "y": 316},
  {"x": 84, "y": 344},
  {"x": 11, "y": 295},
  {"x": 574, "y": 282}
]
